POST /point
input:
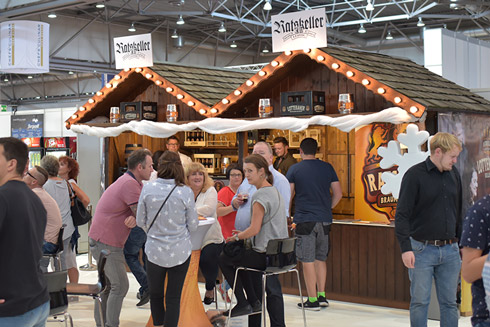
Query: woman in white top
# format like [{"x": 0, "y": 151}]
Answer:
[
  {"x": 206, "y": 199},
  {"x": 168, "y": 245}
]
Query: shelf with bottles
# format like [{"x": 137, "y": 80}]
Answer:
[
  {"x": 198, "y": 138},
  {"x": 210, "y": 161},
  {"x": 195, "y": 138},
  {"x": 295, "y": 138},
  {"x": 221, "y": 140}
]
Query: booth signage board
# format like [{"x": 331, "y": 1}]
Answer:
[
  {"x": 133, "y": 51},
  {"x": 23, "y": 126},
  {"x": 25, "y": 47},
  {"x": 299, "y": 30}
]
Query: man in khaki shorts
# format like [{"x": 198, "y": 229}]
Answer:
[{"x": 311, "y": 181}]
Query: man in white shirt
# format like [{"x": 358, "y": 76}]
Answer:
[{"x": 173, "y": 145}]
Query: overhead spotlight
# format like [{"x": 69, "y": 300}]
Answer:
[
  {"x": 369, "y": 6},
  {"x": 361, "y": 29},
  {"x": 52, "y": 15},
  {"x": 267, "y": 5},
  {"x": 265, "y": 50},
  {"x": 389, "y": 36},
  {"x": 6, "y": 79},
  {"x": 132, "y": 28},
  {"x": 29, "y": 77},
  {"x": 175, "y": 35},
  {"x": 420, "y": 23},
  {"x": 70, "y": 73},
  {"x": 180, "y": 21},
  {"x": 233, "y": 45},
  {"x": 222, "y": 28},
  {"x": 100, "y": 5}
]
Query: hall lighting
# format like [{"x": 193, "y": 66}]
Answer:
[
  {"x": 6, "y": 79},
  {"x": 214, "y": 110},
  {"x": 389, "y": 36},
  {"x": 265, "y": 50},
  {"x": 361, "y": 29},
  {"x": 70, "y": 73},
  {"x": 29, "y": 77},
  {"x": 413, "y": 109},
  {"x": 349, "y": 73},
  {"x": 365, "y": 82},
  {"x": 158, "y": 82},
  {"x": 267, "y": 5},
  {"x": 180, "y": 96},
  {"x": 190, "y": 103},
  {"x": 99, "y": 93},
  {"x": 249, "y": 83},
  {"x": 174, "y": 35},
  {"x": 320, "y": 58},
  {"x": 275, "y": 63},
  {"x": 398, "y": 99},
  {"x": 99, "y": 5},
  {"x": 202, "y": 111},
  {"x": 233, "y": 45},
  {"x": 169, "y": 89},
  {"x": 262, "y": 73},
  {"x": 148, "y": 75},
  {"x": 335, "y": 66},
  {"x": 132, "y": 28},
  {"x": 237, "y": 92},
  {"x": 138, "y": 70},
  {"x": 381, "y": 90},
  {"x": 420, "y": 23},
  {"x": 222, "y": 28},
  {"x": 52, "y": 15},
  {"x": 369, "y": 6},
  {"x": 180, "y": 21}
]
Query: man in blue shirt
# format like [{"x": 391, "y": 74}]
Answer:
[
  {"x": 311, "y": 181},
  {"x": 275, "y": 302},
  {"x": 475, "y": 241}
]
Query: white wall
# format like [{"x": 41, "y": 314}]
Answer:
[{"x": 457, "y": 57}]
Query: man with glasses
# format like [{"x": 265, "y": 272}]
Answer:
[
  {"x": 173, "y": 145},
  {"x": 35, "y": 179}
]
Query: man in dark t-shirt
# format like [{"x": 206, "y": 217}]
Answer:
[
  {"x": 475, "y": 241},
  {"x": 24, "y": 298},
  {"x": 311, "y": 181}
]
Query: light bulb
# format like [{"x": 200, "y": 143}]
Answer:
[
  {"x": 361, "y": 29},
  {"x": 267, "y": 5},
  {"x": 180, "y": 21},
  {"x": 222, "y": 28}
]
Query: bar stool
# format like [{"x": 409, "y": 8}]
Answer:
[
  {"x": 280, "y": 259},
  {"x": 56, "y": 256}
]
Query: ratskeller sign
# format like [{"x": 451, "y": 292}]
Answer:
[
  {"x": 299, "y": 30},
  {"x": 133, "y": 51}
]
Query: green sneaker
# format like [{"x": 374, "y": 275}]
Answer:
[{"x": 312, "y": 306}]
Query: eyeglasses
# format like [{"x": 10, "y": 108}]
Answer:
[
  {"x": 28, "y": 173},
  {"x": 173, "y": 144},
  {"x": 235, "y": 175}
]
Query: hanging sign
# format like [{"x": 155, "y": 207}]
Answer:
[
  {"x": 24, "y": 47},
  {"x": 27, "y": 125},
  {"x": 133, "y": 51},
  {"x": 299, "y": 30}
]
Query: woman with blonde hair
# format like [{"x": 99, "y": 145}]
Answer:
[{"x": 206, "y": 199}]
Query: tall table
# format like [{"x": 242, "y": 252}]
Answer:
[{"x": 192, "y": 312}]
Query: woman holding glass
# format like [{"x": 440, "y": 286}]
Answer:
[
  {"x": 268, "y": 222},
  {"x": 166, "y": 211},
  {"x": 206, "y": 200}
]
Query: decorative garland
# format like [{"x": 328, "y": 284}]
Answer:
[{"x": 225, "y": 125}]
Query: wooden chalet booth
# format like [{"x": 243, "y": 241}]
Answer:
[{"x": 364, "y": 264}]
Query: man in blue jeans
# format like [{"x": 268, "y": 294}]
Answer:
[
  {"x": 135, "y": 242},
  {"x": 428, "y": 225}
]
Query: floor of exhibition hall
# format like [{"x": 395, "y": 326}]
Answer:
[{"x": 337, "y": 314}]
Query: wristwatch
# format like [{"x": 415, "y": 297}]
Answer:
[{"x": 237, "y": 238}]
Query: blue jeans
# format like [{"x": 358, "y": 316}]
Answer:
[
  {"x": 442, "y": 263},
  {"x": 135, "y": 242},
  {"x": 35, "y": 318},
  {"x": 482, "y": 324}
]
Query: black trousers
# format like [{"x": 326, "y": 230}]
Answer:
[
  {"x": 250, "y": 259},
  {"x": 275, "y": 301},
  {"x": 208, "y": 263},
  {"x": 156, "y": 284}
]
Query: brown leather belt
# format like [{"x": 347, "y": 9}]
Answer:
[{"x": 439, "y": 242}]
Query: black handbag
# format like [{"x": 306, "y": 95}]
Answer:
[
  {"x": 79, "y": 214},
  {"x": 234, "y": 250}
]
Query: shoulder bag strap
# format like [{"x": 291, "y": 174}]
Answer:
[
  {"x": 160, "y": 208},
  {"x": 71, "y": 192}
]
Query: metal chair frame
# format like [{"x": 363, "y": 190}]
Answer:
[
  {"x": 56, "y": 255},
  {"x": 273, "y": 247},
  {"x": 93, "y": 290},
  {"x": 56, "y": 281}
]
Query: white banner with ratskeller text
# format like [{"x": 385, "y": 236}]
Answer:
[
  {"x": 133, "y": 51},
  {"x": 299, "y": 30}
]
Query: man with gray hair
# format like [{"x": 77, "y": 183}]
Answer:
[
  {"x": 35, "y": 178},
  {"x": 112, "y": 222},
  {"x": 275, "y": 301}
]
